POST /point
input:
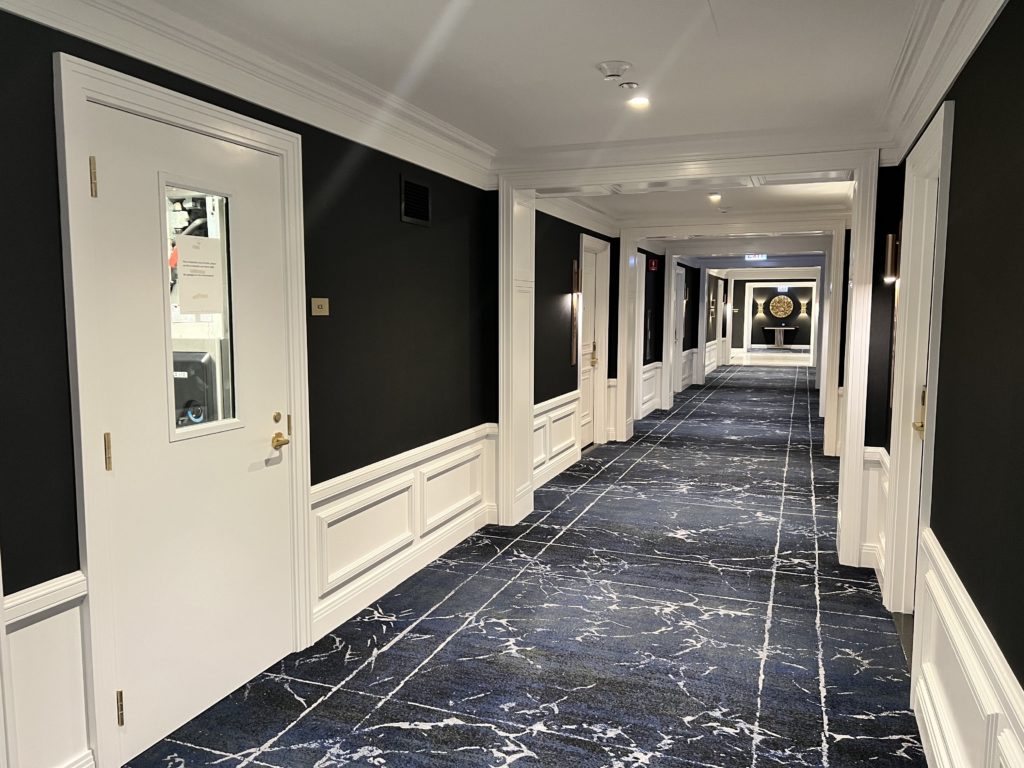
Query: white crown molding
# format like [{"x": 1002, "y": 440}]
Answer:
[
  {"x": 580, "y": 214},
  {"x": 739, "y": 144},
  {"x": 327, "y": 98},
  {"x": 942, "y": 38}
]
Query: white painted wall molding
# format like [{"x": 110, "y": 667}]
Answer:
[
  {"x": 556, "y": 436},
  {"x": 44, "y": 696},
  {"x": 942, "y": 38},
  {"x": 578, "y": 213},
  {"x": 650, "y": 392},
  {"x": 687, "y": 363},
  {"x": 969, "y": 704},
  {"x": 613, "y": 418},
  {"x": 329, "y": 98},
  {"x": 56, "y": 594},
  {"x": 377, "y": 526},
  {"x": 876, "y": 505}
]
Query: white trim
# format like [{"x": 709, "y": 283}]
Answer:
[
  {"x": 55, "y": 594},
  {"x": 417, "y": 516},
  {"x": 551, "y": 458},
  {"x": 876, "y": 496},
  {"x": 601, "y": 249},
  {"x": 79, "y": 82},
  {"x": 918, "y": 327},
  {"x": 650, "y": 388},
  {"x": 579, "y": 214},
  {"x": 323, "y": 96},
  {"x": 612, "y": 396},
  {"x": 969, "y": 703},
  {"x": 8, "y": 726}
]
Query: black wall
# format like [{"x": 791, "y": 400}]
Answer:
[
  {"x": 408, "y": 355},
  {"x": 888, "y": 215},
  {"x": 654, "y": 306},
  {"x": 557, "y": 244},
  {"x": 977, "y": 494},
  {"x": 691, "y": 325},
  {"x": 711, "y": 327},
  {"x": 803, "y": 325},
  {"x": 738, "y": 309},
  {"x": 844, "y": 308}
]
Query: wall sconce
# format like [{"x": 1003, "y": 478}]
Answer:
[
  {"x": 803, "y": 307},
  {"x": 891, "y": 250},
  {"x": 574, "y": 312},
  {"x": 760, "y": 307}
]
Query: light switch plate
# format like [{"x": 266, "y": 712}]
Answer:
[{"x": 320, "y": 306}]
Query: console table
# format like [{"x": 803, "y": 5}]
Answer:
[{"x": 780, "y": 334}]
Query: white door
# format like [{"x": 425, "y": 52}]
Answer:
[
  {"x": 178, "y": 296},
  {"x": 588, "y": 346},
  {"x": 679, "y": 329},
  {"x": 918, "y": 309}
]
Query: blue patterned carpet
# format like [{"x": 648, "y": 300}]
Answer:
[{"x": 674, "y": 601}]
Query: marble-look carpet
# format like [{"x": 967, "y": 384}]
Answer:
[{"x": 673, "y": 601}]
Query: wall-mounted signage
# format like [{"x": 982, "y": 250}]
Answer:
[{"x": 756, "y": 256}]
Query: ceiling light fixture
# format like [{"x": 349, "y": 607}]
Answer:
[
  {"x": 639, "y": 102},
  {"x": 715, "y": 198},
  {"x": 629, "y": 85},
  {"x": 614, "y": 69}
]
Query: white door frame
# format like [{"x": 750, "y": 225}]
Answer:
[
  {"x": 601, "y": 250},
  {"x": 749, "y": 298},
  {"x": 79, "y": 83},
  {"x": 516, "y": 193},
  {"x": 918, "y": 325}
]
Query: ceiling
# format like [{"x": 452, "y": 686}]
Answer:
[
  {"x": 745, "y": 202},
  {"x": 520, "y": 74}
]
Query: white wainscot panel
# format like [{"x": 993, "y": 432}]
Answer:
[
  {"x": 650, "y": 391},
  {"x": 710, "y": 356},
  {"x": 876, "y": 506},
  {"x": 686, "y": 366},
  {"x": 377, "y": 526},
  {"x": 46, "y": 665},
  {"x": 969, "y": 704},
  {"x": 452, "y": 487},
  {"x": 556, "y": 436}
]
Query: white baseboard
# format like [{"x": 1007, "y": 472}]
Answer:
[
  {"x": 377, "y": 526},
  {"x": 969, "y": 704}
]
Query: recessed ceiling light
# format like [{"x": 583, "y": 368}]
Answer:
[
  {"x": 639, "y": 102},
  {"x": 613, "y": 69},
  {"x": 629, "y": 85},
  {"x": 715, "y": 198}
]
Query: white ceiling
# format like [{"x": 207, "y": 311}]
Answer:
[
  {"x": 740, "y": 202},
  {"x": 520, "y": 73}
]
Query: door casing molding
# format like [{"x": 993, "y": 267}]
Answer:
[
  {"x": 516, "y": 273},
  {"x": 77, "y": 84},
  {"x": 601, "y": 250},
  {"x": 918, "y": 326}
]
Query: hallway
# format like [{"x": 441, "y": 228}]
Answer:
[{"x": 673, "y": 601}]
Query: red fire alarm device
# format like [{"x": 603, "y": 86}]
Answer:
[{"x": 652, "y": 265}]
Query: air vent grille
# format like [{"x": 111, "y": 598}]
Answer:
[{"x": 415, "y": 203}]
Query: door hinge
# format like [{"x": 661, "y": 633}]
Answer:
[
  {"x": 919, "y": 425},
  {"x": 120, "y": 707},
  {"x": 289, "y": 424},
  {"x": 93, "y": 185},
  {"x": 108, "y": 454}
]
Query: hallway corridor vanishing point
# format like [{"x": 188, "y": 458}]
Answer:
[{"x": 675, "y": 600}]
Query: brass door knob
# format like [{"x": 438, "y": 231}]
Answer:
[{"x": 278, "y": 441}]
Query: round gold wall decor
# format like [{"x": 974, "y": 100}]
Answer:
[{"x": 781, "y": 306}]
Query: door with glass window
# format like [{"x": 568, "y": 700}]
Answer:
[{"x": 179, "y": 315}]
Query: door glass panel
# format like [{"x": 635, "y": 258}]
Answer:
[{"x": 202, "y": 376}]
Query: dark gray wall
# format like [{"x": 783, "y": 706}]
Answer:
[
  {"x": 738, "y": 310},
  {"x": 711, "y": 326},
  {"x": 691, "y": 325},
  {"x": 557, "y": 244},
  {"x": 654, "y": 306},
  {"x": 408, "y": 355},
  {"x": 977, "y": 494},
  {"x": 888, "y": 215}
]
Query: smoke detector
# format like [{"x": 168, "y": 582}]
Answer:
[{"x": 614, "y": 70}]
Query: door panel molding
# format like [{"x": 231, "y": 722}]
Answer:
[{"x": 80, "y": 84}]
